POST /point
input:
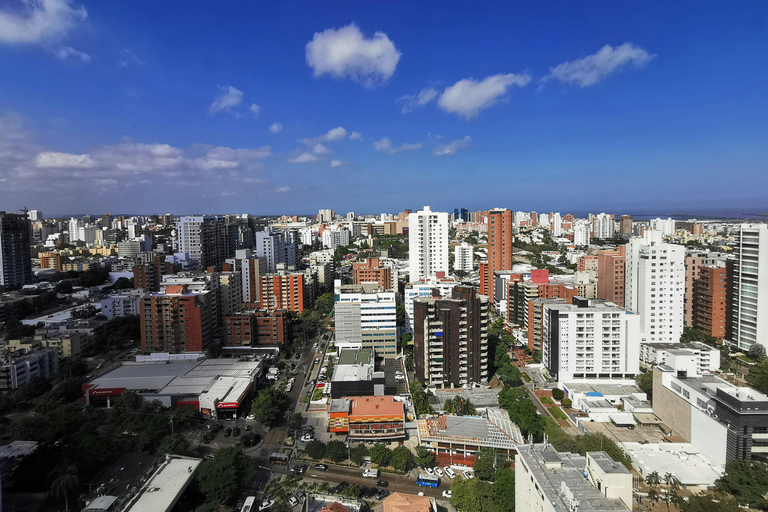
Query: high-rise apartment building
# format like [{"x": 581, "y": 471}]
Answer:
[
  {"x": 603, "y": 226},
  {"x": 366, "y": 317},
  {"x": 500, "y": 237},
  {"x": 710, "y": 308},
  {"x": 370, "y": 271},
  {"x": 610, "y": 275},
  {"x": 590, "y": 339},
  {"x": 655, "y": 286},
  {"x": 15, "y": 256},
  {"x": 428, "y": 243},
  {"x": 625, "y": 225},
  {"x": 251, "y": 327},
  {"x": 274, "y": 248},
  {"x": 450, "y": 339},
  {"x": 665, "y": 226},
  {"x": 749, "y": 288},
  {"x": 580, "y": 233},
  {"x": 694, "y": 262},
  {"x": 177, "y": 320},
  {"x": 207, "y": 239},
  {"x": 462, "y": 257},
  {"x": 251, "y": 269},
  {"x": 335, "y": 237},
  {"x": 283, "y": 291}
]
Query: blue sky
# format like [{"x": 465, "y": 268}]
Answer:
[{"x": 287, "y": 107}]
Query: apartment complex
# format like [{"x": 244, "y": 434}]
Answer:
[
  {"x": 427, "y": 243},
  {"x": 178, "y": 320},
  {"x": 251, "y": 269},
  {"x": 611, "y": 275},
  {"x": 366, "y": 317},
  {"x": 709, "y": 306},
  {"x": 370, "y": 271},
  {"x": 15, "y": 255},
  {"x": 590, "y": 339},
  {"x": 462, "y": 257},
  {"x": 749, "y": 288},
  {"x": 437, "y": 286},
  {"x": 207, "y": 239},
  {"x": 451, "y": 339},
  {"x": 694, "y": 262},
  {"x": 250, "y": 327},
  {"x": 284, "y": 291},
  {"x": 500, "y": 237},
  {"x": 655, "y": 286}
]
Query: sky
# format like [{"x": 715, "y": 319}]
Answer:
[{"x": 288, "y": 107}]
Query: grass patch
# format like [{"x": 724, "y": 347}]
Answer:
[
  {"x": 317, "y": 394},
  {"x": 557, "y": 412},
  {"x": 526, "y": 378},
  {"x": 545, "y": 400}
]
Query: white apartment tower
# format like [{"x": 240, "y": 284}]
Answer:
[
  {"x": 580, "y": 233},
  {"x": 590, "y": 339},
  {"x": 603, "y": 226},
  {"x": 749, "y": 285},
  {"x": 462, "y": 257},
  {"x": 428, "y": 243},
  {"x": 556, "y": 224},
  {"x": 655, "y": 287}
]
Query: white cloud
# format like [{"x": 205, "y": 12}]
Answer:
[
  {"x": 128, "y": 58},
  {"x": 591, "y": 69},
  {"x": 336, "y": 163},
  {"x": 385, "y": 146},
  {"x": 276, "y": 128},
  {"x": 468, "y": 97},
  {"x": 228, "y": 158},
  {"x": 320, "y": 149},
  {"x": 452, "y": 147},
  {"x": 39, "y": 21},
  {"x": 63, "y": 161},
  {"x": 334, "y": 134},
  {"x": 346, "y": 53},
  {"x": 299, "y": 157},
  {"x": 283, "y": 189},
  {"x": 413, "y": 101},
  {"x": 255, "y": 109},
  {"x": 66, "y": 52},
  {"x": 355, "y": 136},
  {"x": 227, "y": 99}
]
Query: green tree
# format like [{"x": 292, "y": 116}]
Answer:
[
  {"x": 336, "y": 451},
  {"x": 653, "y": 479},
  {"x": 123, "y": 283},
  {"x": 558, "y": 394},
  {"x": 475, "y": 495},
  {"x": 709, "y": 503},
  {"x": 380, "y": 454},
  {"x": 504, "y": 489},
  {"x": 175, "y": 444},
  {"x": 756, "y": 351},
  {"x": 353, "y": 491},
  {"x": 400, "y": 315},
  {"x": 747, "y": 481},
  {"x": 419, "y": 397},
  {"x": 645, "y": 383},
  {"x": 402, "y": 458},
  {"x": 316, "y": 449},
  {"x": 359, "y": 453},
  {"x": 266, "y": 405},
  {"x": 296, "y": 421},
  {"x": 220, "y": 477},
  {"x": 758, "y": 376},
  {"x": 424, "y": 457},
  {"x": 324, "y": 303},
  {"x": 486, "y": 464},
  {"x": 65, "y": 484},
  {"x": 566, "y": 402}
]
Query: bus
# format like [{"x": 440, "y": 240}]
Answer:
[
  {"x": 278, "y": 458},
  {"x": 426, "y": 480},
  {"x": 250, "y": 501}
]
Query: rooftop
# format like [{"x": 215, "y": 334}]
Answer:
[
  {"x": 404, "y": 502},
  {"x": 683, "y": 460},
  {"x": 604, "y": 389},
  {"x": 376, "y": 406},
  {"x": 355, "y": 356},
  {"x": 493, "y": 431},
  {"x": 162, "y": 490}
]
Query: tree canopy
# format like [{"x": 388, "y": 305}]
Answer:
[
  {"x": 402, "y": 458},
  {"x": 220, "y": 477},
  {"x": 266, "y": 405},
  {"x": 336, "y": 451},
  {"x": 380, "y": 454}
]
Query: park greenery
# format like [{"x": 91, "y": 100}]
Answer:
[
  {"x": 380, "y": 454},
  {"x": 266, "y": 406},
  {"x": 420, "y": 398},
  {"x": 220, "y": 478},
  {"x": 482, "y": 495}
]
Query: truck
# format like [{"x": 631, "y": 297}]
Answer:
[{"x": 371, "y": 473}]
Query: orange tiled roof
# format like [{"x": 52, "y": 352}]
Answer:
[
  {"x": 334, "y": 507},
  {"x": 375, "y": 406},
  {"x": 403, "y": 502}
]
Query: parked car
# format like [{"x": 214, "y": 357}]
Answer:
[
  {"x": 250, "y": 417},
  {"x": 299, "y": 470},
  {"x": 382, "y": 483},
  {"x": 306, "y": 438},
  {"x": 227, "y": 432},
  {"x": 293, "y": 501},
  {"x": 236, "y": 431},
  {"x": 371, "y": 492},
  {"x": 469, "y": 474},
  {"x": 382, "y": 494},
  {"x": 439, "y": 472},
  {"x": 430, "y": 471},
  {"x": 447, "y": 494},
  {"x": 321, "y": 467},
  {"x": 451, "y": 473},
  {"x": 266, "y": 505}
]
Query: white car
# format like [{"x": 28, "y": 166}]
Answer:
[
  {"x": 439, "y": 472},
  {"x": 250, "y": 417},
  {"x": 447, "y": 494},
  {"x": 430, "y": 471},
  {"x": 293, "y": 501},
  {"x": 451, "y": 473},
  {"x": 266, "y": 505},
  {"x": 306, "y": 438},
  {"x": 469, "y": 474}
]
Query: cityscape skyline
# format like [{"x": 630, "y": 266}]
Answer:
[{"x": 252, "y": 108}]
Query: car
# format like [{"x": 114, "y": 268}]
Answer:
[
  {"x": 293, "y": 501},
  {"x": 292, "y": 380},
  {"x": 209, "y": 456},
  {"x": 266, "y": 505},
  {"x": 307, "y": 438},
  {"x": 362, "y": 489},
  {"x": 439, "y": 472},
  {"x": 371, "y": 492},
  {"x": 299, "y": 470},
  {"x": 447, "y": 494},
  {"x": 300, "y": 495},
  {"x": 308, "y": 428},
  {"x": 236, "y": 432},
  {"x": 382, "y": 483},
  {"x": 250, "y": 417},
  {"x": 227, "y": 432},
  {"x": 382, "y": 494},
  {"x": 430, "y": 471},
  {"x": 421, "y": 494},
  {"x": 321, "y": 467},
  {"x": 469, "y": 474},
  {"x": 450, "y": 473},
  {"x": 246, "y": 427}
]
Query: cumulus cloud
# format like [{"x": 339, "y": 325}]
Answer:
[
  {"x": 228, "y": 158},
  {"x": 127, "y": 58},
  {"x": 385, "y": 146},
  {"x": 320, "y": 149},
  {"x": 452, "y": 147},
  {"x": 412, "y": 102},
  {"x": 68, "y": 52},
  {"x": 301, "y": 157},
  {"x": 39, "y": 21},
  {"x": 283, "y": 189},
  {"x": 227, "y": 99},
  {"x": 591, "y": 69},
  {"x": 276, "y": 128},
  {"x": 255, "y": 109},
  {"x": 336, "y": 163},
  {"x": 334, "y": 134},
  {"x": 49, "y": 159},
  {"x": 468, "y": 97},
  {"x": 355, "y": 136},
  {"x": 347, "y": 53}
]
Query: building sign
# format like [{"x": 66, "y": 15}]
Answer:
[
  {"x": 106, "y": 391},
  {"x": 227, "y": 405}
]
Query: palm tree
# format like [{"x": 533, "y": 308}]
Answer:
[
  {"x": 673, "y": 484},
  {"x": 653, "y": 496},
  {"x": 65, "y": 482},
  {"x": 653, "y": 479}
]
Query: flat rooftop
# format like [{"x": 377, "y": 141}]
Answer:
[
  {"x": 162, "y": 490},
  {"x": 493, "y": 431},
  {"x": 605, "y": 389},
  {"x": 480, "y": 397},
  {"x": 376, "y": 406},
  {"x": 683, "y": 460},
  {"x": 348, "y": 372},
  {"x": 571, "y": 472},
  {"x": 355, "y": 356}
]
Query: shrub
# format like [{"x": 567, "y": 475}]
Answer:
[{"x": 558, "y": 394}]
